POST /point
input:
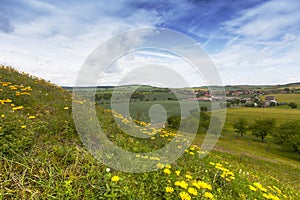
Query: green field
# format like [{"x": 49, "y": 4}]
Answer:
[{"x": 280, "y": 115}]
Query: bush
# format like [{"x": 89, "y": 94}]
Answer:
[
  {"x": 293, "y": 105},
  {"x": 288, "y": 136},
  {"x": 262, "y": 127},
  {"x": 174, "y": 121},
  {"x": 240, "y": 126}
]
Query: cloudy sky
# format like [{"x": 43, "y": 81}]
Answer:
[{"x": 249, "y": 42}]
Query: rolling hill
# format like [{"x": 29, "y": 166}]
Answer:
[{"x": 42, "y": 157}]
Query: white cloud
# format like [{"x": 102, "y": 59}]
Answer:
[
  {"x": 54, "y": 46},
  {"x": 264, "y": 47},
  {"x": 52, "y": 40},
  {"x": 266, "y": 21}
]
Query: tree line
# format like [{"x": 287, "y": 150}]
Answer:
[{"x": 287, "y": 134}]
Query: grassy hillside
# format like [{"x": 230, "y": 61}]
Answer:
[{"x": 42, "y": 157}]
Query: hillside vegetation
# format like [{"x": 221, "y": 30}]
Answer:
[{"x": 42, "y": 157}]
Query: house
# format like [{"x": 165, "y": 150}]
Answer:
[{"x": 269, "y": 100}]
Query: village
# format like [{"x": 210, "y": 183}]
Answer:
[{"x": 263, "y": 98}]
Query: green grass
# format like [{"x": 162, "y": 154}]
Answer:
[
  {"x": 140, "y": 109},
  {"x": 47, "y": 160},
  {"x": 280, "y": 115}
]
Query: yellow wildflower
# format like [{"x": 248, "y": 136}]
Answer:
[
  {"x": 18, "y": 108},
  {"x": 182, "y": 184},
  {"x": 208, "y": 195},
  {"x": 177, "y": 172},
  {"x": 168, "y": 166},
  {"x": 196, "y": 185},
  {"x": 192, "y": 191},
  {"x": 115, "y": 179},
  {"x": 188, "y": 176},
  {"x": 25, "y": 93},
  {"x": 169, "y": 189},
  {"x": 160, "y": 165},
  {"x": 259, "y": 186},
  {"x": 184, "y": 196},
  {"x": 277, "y": 189},
  {"x": 266, "y": 196},
  {"x": 204, "y": 185},
  {"x": 23, "y": 126},
  {"x": 167, "y": 171},
  {"x": 252, "y": 188}
]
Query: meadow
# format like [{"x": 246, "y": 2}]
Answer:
[
  {"x": 42, "y": 156},
  {"x": 277, "y": 113}
]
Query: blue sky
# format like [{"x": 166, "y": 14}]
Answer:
[{"x": 250, "y": 42}]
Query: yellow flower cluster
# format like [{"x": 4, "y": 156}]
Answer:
[
  {"x": 202, "y": 185},
  {"x": 17, "y": 90},
  {"x": 5, "y": 101},
  {"x": 145, "y": 128},
  {"x": 182, "y": 184},
  {"x": 184, "y": 196},
  {"x": 226, "y": 174},
  {"x": 167, "y": 171},
  {"x": 208, "y": 195},
  {"x": 192, "y": 191},
  {"x": 18, "y": 108},
  {"x": 169, "y": 189},
  {"x": 268, "y": 195}
]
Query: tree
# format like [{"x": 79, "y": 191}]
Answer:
[
  {"x": 262, "y": 127},
  {"x": 287, "y": 90},
  {"x": 288, "y": 136},
  {"x": 174, "y": 121},
  {"x": 203, "y": 109},
  {"x": 204, "y": 120},
  {"x": 237, "y": 101},
  {"x": 241, "y": 126},
  {"x": 293, "y": 105},
  {"x": 243, "y": 101}
]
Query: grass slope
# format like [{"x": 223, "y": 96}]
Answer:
[{"x": 42, "y": 157}]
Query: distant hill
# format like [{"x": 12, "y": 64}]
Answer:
[{"x": 227, "y": 87}]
